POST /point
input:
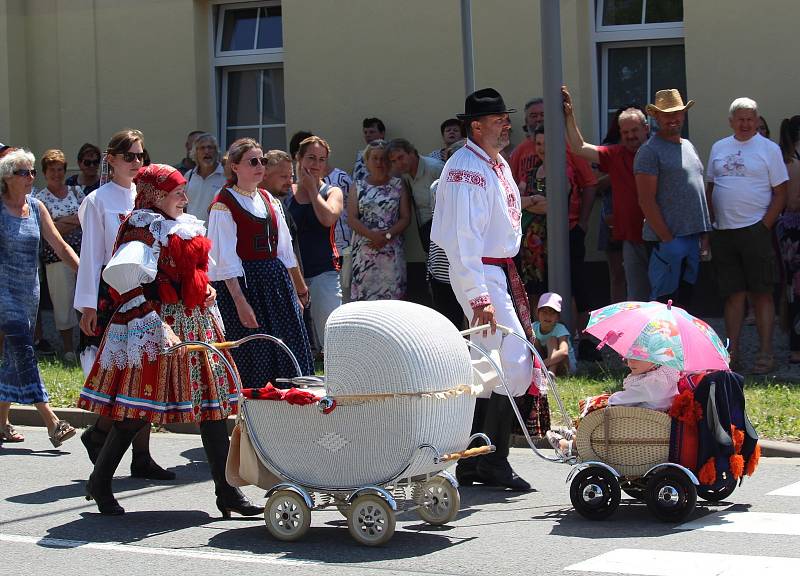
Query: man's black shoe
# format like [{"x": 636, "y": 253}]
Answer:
[{"x": 503, "y": 476}]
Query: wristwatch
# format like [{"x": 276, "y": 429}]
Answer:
[{"x": 388, "y": 235}]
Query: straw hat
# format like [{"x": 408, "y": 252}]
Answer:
[{"x": 668, "y": 101}]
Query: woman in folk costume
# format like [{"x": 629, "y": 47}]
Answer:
[
  {"x": 255, "y": 271},
  {"x": 158, "y": 275},
  {"x": 100, "y": 215}
]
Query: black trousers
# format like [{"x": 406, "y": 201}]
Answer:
[{"x": 446, "y": 303}]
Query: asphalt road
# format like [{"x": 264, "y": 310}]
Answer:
[{"x": 46, "y": 527}]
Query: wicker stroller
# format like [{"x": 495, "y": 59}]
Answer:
[
  {"x": 393, "y": 411},
  {"x": 620, "y": 449}
]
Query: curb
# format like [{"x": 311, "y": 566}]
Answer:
[{"x": 28, "y": 416}]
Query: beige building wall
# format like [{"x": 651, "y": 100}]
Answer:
[
  {"x": 79, "y": 70},
  {"x": 740, "y": 50}
]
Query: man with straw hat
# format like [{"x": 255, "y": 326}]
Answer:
[
  {"x": 477, "y": 224},
  {"x": 669, "y": 181}
]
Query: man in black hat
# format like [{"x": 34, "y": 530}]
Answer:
[{"x": 477, "y": 224}]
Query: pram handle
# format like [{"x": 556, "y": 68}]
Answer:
[
  {"x": 472, "y": 452},
  {"x": 506, "y": 331},
  {"x": 197, "y": 346}
]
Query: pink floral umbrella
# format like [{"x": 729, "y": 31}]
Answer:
[{"x": 660, "y": 333}]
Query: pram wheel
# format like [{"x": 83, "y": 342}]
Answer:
[
  {"x": 671, "y": 496},
  {"x": 287, "y": 516},
  {"x": 371, "y": 521},
  {"x": 725, "y": 489},
  {"x": 439, "y": 501},
  {"x": 595, "y": 493}
]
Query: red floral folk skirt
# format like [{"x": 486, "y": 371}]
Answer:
[{"x": 170, "y": 388}]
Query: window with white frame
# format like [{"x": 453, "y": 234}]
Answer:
[
  {"x": 248, "y": 61},
  {"x": 640, "y": 51}
]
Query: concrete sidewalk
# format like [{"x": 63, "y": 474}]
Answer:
[{"x": 28, "y": 416}]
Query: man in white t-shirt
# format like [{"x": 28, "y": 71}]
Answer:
[
  {"x": 206, "y": 179},
  {"x": 746, "y": 192}
]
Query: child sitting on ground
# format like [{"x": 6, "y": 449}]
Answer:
[
  {"x": 649, "y": 385},
  {"x": 552, "y": 337}
]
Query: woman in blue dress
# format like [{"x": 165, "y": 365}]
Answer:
[{"x": 23, "y": 222}]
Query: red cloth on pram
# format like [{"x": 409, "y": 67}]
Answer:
[{"x": 292, "y": 395}]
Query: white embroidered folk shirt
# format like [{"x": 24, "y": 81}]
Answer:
[
  {"x": 100, "y": 215},
  {"x": 478, "y": 214}
]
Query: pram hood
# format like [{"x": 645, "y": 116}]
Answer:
[{"x": 390, "y": 346}]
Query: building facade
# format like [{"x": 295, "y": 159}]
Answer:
[{"x": 73, "y": 71}]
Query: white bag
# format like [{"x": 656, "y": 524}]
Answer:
[
  {"x": 87, "y": 359},
  {"x": 484, "y": 374}
]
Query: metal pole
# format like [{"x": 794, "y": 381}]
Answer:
[
  {"x": 558, "y": 269},
  {"x": 466, "y": 47}
]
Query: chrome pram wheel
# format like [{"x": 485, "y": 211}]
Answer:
[
  {"x": 439, "y": 501},
  {"x": 595, "y": 493},
  {"x": 371, "y": 521},
  {"x": 287, "y": 516}
]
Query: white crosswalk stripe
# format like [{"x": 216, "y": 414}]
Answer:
[
  {"x": 790, "y": 490},
  {"x": 666, "y": 563},
  {"x": 746, "y": 522}
]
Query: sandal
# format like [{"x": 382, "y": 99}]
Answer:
[
  {"x": 765, "y": 363},
  {"x": 61, "y": 433},
  {"x": 10, "y": 435}
]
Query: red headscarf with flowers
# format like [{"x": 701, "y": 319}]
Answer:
[{"x": 155, "y": 181}]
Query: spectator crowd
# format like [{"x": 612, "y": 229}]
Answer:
[{"x": 293, "y": 237}]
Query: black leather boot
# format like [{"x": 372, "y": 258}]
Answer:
[
  {"x": 93, "y": 439},
  {"x": 98, "y": 488},
  {"x": 494, "y": 469},
  {"x": 214, "y": 434},
  {"x": 143, "y": 466}
]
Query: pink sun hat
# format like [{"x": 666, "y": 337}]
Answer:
[{"x": 550, "y": 300}]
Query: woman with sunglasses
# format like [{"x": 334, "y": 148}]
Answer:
[
  {"x": 24, "y": 221},
  {"x": 89, "y": 165},
  {"x": 101, "y": 214},
  {"x": 255, "y": 272}
]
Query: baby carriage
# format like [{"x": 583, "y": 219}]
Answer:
[
  {"x": 393, "y": 411},
  {"x": 704, "y": 446}
]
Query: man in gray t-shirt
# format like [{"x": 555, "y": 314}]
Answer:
[{"x": 669, "y": 182}]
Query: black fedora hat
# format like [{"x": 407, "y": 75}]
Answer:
[{"x": 484, "y": 102}]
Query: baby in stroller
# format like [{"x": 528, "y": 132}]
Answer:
[{"x": 649, "y": 385}]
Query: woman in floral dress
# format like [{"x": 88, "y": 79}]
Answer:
[{"x": 378, "y": 213}]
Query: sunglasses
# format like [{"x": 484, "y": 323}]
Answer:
[
  {"x": 88, "y": 163},
  {"x": 25, "y": 173},
  {"x": 256, "y": 161},
  {"x": 131, "y": 156}
]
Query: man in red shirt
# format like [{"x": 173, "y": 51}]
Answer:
[
  {"x": 524, "y": 158},
  {"x": 617, "y": 161}
]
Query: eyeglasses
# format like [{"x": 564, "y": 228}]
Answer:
[
  {"x": 88, "y": 163},
  {"x": 377, "y": 144},
  {"x": 256, "y": 161},
  {"x": 131, "y": 156},
  {"x": 25, "y": 173}
]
